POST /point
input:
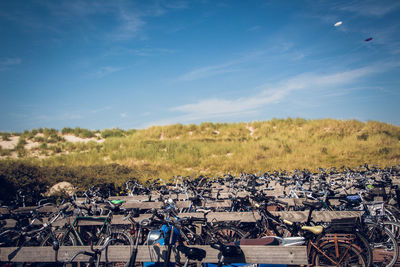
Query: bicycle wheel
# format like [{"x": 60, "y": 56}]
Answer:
[
  {"x": 66, "y": 238},
  {"x": 394, "y": 211},
  {"x": 226, "y": 234},
  {"x": 120, "y": 237},
  {"x": 10, "y": 238},
  {"x": 384, "y": 245},
  {"x": 356, "y": 239},
  {"x": 60, "y": 236},
  {"x": 339, "y": 254},
  {"x": 394, "y": 228}
]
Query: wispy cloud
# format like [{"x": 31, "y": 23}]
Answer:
[
  {"x": 127, "y": 19},
  {"x": 209, "y": 109},
  {"x": 72, "y": 116},
  {"x": 209, "y": 71},
  {"x": 371, "y": 8},
  {"x": 104, "y": 71},
  {"x": 254, "y": 28},
  {"x": 142, "y": 52},
  {"x": 223, "y": 68},
  {"x": 131, "y": 23},
  {"x": 389, "y": 39},
  {"x": 8, "y": 63},
  {"x": 242, "y": 61},
  {"x": 124, "y": 115},
  {"x": 98, "y": 110}
]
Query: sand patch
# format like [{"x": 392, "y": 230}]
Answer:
[
  {"x": 30, "y": 145},
  {"x": 251, "y": 130},
  {"x": 74, "y": 139},
  {"x": 11, "y": 144}
]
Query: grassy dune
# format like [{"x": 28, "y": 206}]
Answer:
[{"x": 216, "y": 148}]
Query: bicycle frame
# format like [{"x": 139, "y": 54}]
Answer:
[{"x": 74, "y": 227}]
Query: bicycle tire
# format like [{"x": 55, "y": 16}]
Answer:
[
  {"x": 10, "y": 238},
  {"x": 394, "y": 211},
  {"x": 120, "y": 237},
  {"x": 384, "y": 245},
  {"x": 393, "y": 227},
  {"x": 361, "y": 243},
  {"x": 66, "y": 238},
  {"x": 348, "y": 255},
  {"x": 226, "y": 234}
]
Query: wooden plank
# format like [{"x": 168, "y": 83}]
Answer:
[
  {"x": 143, "y": 205},
  {"x": 294, "y": 216},
  {"x": 4, "y": 211},
  {"x": 9, "y": 223},
  {"x": 154, "y": 205},
  {"x": 318, "y": 216},
  {"x": 252, "y": 254},
  {"x": 45, "y": 209},
  {"x": 217, "y": 204},
  {"x": 131, "y": 202},
  {"x": 233, "y": 216}
]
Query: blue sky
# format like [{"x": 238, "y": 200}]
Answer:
[{"x": 134, "y": 64}]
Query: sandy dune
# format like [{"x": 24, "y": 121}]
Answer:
[
  {"x": 9, "y": 144},
  {"x": 74, "y": 139}
]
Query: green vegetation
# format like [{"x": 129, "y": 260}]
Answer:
[
  {"x": 112, "y": 133},
  {"x": 217, "y": 148},
  {"x": 5, "y": 136},
  {"x": 36, "y": 180},
  {"x": 80, "y": 132}
]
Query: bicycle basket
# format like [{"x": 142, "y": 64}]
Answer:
[{"x": 344, "y": 224}]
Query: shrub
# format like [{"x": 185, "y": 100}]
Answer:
[
  {"x": 6, "y": 136},
  {"x": 16, "y": 175},
  {"x": 55, "y": 138},
  {"x": 67, "y": 130},
  {"x": 39, "y": 139},
  {"x": 21, "y": 142},
  {"x": 4, "y": 152},
  {"x": 49, "y": 132},
  {"x": 21, "y": 152},
  {"x": 363, "y": 137},
  {"x": 43, "y": 146},
  {"x": 112, "y": 133},
  {"x": 80, "y": 132},
  {"x": 384, "y": 151}
]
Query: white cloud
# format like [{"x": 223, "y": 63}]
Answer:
[
  {"x": 208, "y": 71},
  {"x": 124, "y": 115},
  {"x": 100, "y": 109},
  {"x": 208, "y": 109},
  {"x": 226, "y": 67},
  {"x": 371, "y": 9},
  {"x": 72, "y": 116},
  {"x": 131, "y": 24},
  {"x": 254, "y": 28},
  {"x": 7, "y": 63},
  {"x": 128, "y": 18},
  {"x": 104, "y": 71}
]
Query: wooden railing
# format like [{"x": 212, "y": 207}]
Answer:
[{"x": 295, "y": 255}]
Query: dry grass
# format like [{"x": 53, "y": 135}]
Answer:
[{"x": 219, "y": 148}]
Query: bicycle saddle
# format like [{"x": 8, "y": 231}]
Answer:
[
  {"x": 313, "y": 229},
  {"x": 192, "y": 253},
  {"x": 315, "y": 205}
]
